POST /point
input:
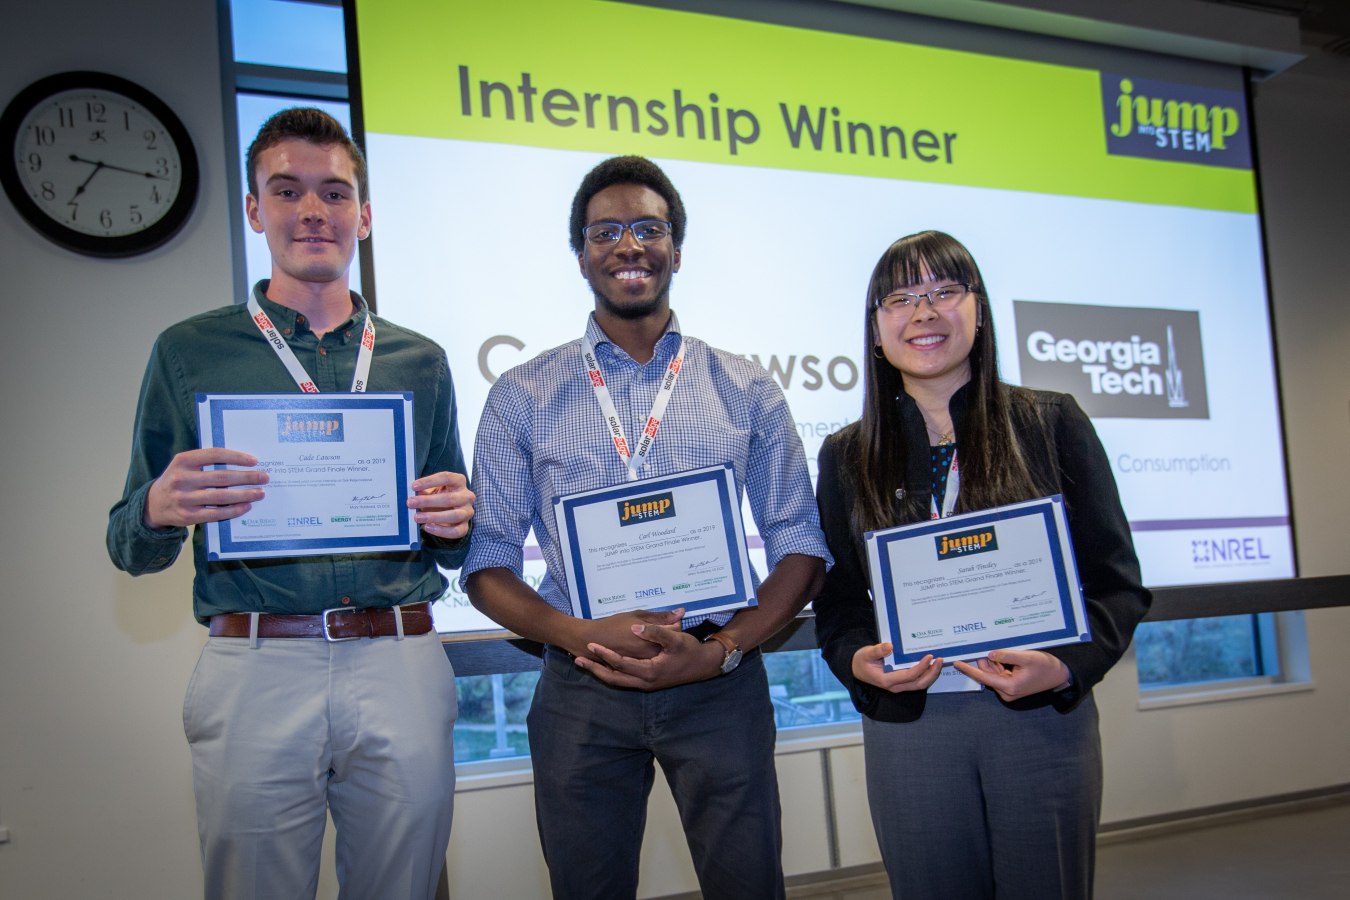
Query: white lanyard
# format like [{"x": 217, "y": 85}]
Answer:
[
  {"x": 287, "y": 356},
  {"x": 634, "y": 460},
  {"x": 949, "y": 500}
]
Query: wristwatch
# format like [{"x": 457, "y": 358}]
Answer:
[{"x": 734, "y": 653}]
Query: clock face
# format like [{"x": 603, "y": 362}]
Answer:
[{"x": 98, "y": 164}]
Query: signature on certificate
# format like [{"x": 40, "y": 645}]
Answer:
[
  {"x": 706, "y": 562},
  {"x": 1029, "y": 597},
  {"x": 368, "y": 497}
]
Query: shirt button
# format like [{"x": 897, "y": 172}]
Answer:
[
  {"x": 299, "y": 320},
  {"x": 323, "y": 352},
  {"x": 285, "y": 331},
  {"x": 349, "y": 334},
  {"x": 346, "y": 600}
]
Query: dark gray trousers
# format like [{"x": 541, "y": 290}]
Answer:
[
  {"x": 975, "y": 801},
  {"x": 593, "y": 748}
]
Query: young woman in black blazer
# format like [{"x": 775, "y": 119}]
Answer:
[{"x": 995, "y": 792}]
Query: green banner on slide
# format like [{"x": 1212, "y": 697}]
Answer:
[{"x": 613, "y": 77}]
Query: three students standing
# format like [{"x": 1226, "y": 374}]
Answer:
[{"x": 973, "y": 793}]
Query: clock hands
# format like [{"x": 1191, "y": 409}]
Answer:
[
  {"x": 98, "y": 167},
  {"x": 102, "y": 165}
]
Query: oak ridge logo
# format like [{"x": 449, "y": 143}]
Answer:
[{"x": 646, "y": 509}]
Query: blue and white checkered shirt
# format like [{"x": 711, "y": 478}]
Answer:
[{"x": 542, "y": 435}]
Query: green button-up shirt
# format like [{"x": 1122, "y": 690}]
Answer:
[{"x": 223, "y": 351}]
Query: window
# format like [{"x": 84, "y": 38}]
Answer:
[
  {"x": 1215, "y": 649},
  {"x": 492, "y": 708}
]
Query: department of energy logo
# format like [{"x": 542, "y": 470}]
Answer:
[
  {"x": 1176, "y": 122},
  {"x": 1118, "y": 362}
]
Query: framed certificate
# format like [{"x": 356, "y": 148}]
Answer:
[
  {"x": 965, "y": 585},
  {"x": 341, "y": 466},
  {"x": 656, "y": 544}
]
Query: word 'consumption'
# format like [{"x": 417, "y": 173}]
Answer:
[{"x": 816, "y": 128}]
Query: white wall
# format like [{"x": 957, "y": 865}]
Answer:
[{"x": 95, "y": 780}]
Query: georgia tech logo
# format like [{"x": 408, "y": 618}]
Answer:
[
  {"x": 966, "y": 543},
  {"x": 1179, "y": 122},
  {"x": 298, "y": 428},
  {"x": 646, "y": 509},
  {"x": 1123, "y": 362}
]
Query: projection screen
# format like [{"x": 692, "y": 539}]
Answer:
[{"x": 1114, "y": 216}]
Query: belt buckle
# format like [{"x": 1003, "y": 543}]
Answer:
[{"x": 327, "y": 635}]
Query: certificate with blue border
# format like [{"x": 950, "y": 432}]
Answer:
[
  {"x": 960, "y": 587},
  {"x": 656, "y": 544},
  {"x": 340, "y": 468}
]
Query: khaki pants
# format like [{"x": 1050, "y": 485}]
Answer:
[{"x": 285, "y": 731}]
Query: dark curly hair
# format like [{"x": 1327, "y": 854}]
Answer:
[
  {"x": 307, "y": 124},
  {"x": 625, "y": 170}
]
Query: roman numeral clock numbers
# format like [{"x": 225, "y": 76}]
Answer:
[{"x": 97, "y": 164}]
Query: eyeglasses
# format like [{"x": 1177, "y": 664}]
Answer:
[
  {"x": 945, "y": 297},
  {"x": 603, "y": 234}
]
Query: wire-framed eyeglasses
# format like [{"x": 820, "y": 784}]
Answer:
[
  {"x": 945, "y": 297},
  {"x": 645, "y": 231}
]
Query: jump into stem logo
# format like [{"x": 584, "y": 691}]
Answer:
[
  {"x": 961, "y": 544},
  {"x": 1118, "y": 362},
  {"x": 646, "y": 509},
  {"x": 294, "y": 428},
  {"x": 1176, "y": 122}
]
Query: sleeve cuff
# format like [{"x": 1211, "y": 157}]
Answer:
[
  {"x": 484, "y": 555},
  {"x": 804, "y": 538},
  {"x": 142, "y": 531}
]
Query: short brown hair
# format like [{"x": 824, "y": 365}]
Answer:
[{"x": 307, "y": 124}]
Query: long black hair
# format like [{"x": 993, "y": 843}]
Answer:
[{"x": 994, "y": 470}]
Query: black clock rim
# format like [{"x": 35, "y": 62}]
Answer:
[{"x": 156, "y": 235}]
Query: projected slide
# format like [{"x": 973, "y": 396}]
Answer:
[{"x": 1113, "y": 216}]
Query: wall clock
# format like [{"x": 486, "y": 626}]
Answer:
[{"x": 97, "y": 163}]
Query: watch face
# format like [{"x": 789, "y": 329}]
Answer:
[{"x": 98, "y": 164}]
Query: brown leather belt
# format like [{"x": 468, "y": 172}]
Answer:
[{"x": 340, "y": 624}]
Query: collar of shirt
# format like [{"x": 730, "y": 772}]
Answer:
[
  {"x": 669, "y": 340},
  {"x": 295, "y": 327}
]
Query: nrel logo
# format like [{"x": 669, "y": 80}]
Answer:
[
  {"x": 294, "y": 521},
  {"x": 649, "y": 592},
  {"x": 967, "y": 628},
  {"x": 966, "y": 543},
  {"x": 295, "y": 428},
  {"x": 646, "y": 509},
  {"x": 1118, "y": 362},
  {"x": 1228, "y": 551},
  {"x": 1176, "y": 122}
]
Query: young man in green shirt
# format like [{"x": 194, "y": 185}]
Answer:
[{"x": 283, "y": 722}]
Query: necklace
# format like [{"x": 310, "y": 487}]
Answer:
[{"x": 943, "y": 438}]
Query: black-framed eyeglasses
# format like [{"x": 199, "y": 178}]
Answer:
[
  {"x": 945, "y": 297},
  {"x": 645, "y": 231}
]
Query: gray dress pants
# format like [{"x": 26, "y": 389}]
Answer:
[
  {"x": 284, "y": 733},
  {"x": 593, "y": 747},
  {"x": 975, "y": 801}
]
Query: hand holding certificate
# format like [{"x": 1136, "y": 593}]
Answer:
[
  {"x": 963, "y": 586},
  {"x": 340, "y": 472}
]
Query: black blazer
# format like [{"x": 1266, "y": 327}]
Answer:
[{"x": 1065, "y": 452}]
